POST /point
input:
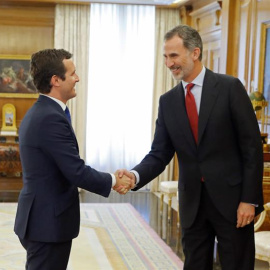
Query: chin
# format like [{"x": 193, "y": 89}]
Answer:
[{"x": 177, "y": 77}]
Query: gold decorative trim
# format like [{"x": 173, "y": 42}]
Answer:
[{"x": 264, "y": 27}]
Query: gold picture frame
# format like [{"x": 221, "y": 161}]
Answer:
[
  {"x": 264, "y": 64},
  {"x": 9, "y": 120},
  {"x": 15, "y": 79}
]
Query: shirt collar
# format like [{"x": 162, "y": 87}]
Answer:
[
  {"x": 62, "y": 104},
  {"x": 198, "y": 80}
]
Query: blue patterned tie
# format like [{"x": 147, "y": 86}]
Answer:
[{"x": 67, "y": 113}]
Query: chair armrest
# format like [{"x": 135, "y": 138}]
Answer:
[
  {"x": 262, "y": 216},
  {"x": 267, "y": 206},
  {"x": 260, "y": 221}
]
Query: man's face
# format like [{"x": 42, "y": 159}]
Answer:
[
  {"x": 68, "y": 85},
  {"x": 178, "y": 59}
]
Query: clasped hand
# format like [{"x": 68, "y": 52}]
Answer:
[{"x": 125, "y": 181}]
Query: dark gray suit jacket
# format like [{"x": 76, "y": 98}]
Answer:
[
  {"x": 229, "y": 153},
  {"x": 48, "y": 206}
]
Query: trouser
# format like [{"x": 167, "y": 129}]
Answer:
[
  {"x": 236, "y": 246},
  {"x": 46, "y": 256}
]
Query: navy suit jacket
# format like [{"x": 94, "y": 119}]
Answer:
[
  {"x": 48, "y": 205},
  {"x": 228, "y": 156}
]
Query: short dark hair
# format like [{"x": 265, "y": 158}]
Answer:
[
  {"x": 191, "y": 38},
  {"x": 46, "y": 63}
]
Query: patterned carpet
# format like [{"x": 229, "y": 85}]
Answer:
[{"x": 112, "y": 237}]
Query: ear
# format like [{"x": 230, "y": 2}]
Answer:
[
  {"x": 196, "y": 53},
  {"x": 54, "y": 80}
]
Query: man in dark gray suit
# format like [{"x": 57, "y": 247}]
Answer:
[
  {"x": 208, "y": 120},
  {"x": 48, "y": 214}
]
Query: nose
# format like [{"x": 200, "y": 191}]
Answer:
[
  {"x": 169, "y": 63},
  {"x": 77, "y": 78}
]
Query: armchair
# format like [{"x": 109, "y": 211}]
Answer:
[{"x": 262, "y": 238}]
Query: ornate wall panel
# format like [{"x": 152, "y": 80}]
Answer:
[
  {"x": 263, "y": 23},
  {"x": 253, "y": 15},
  {"x": 24, "y": 30},
  {"x": 207, "y": 20}
]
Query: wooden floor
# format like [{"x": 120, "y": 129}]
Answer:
[{"x": 148, "y": 205}]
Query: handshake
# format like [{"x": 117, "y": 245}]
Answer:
[{"x": 125, "y": 181}]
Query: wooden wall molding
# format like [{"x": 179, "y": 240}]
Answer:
[
  {"x": 262, "y": 21},
  {"x": 244, "y": 3},
  {"x": 26, "y": 29},
  {"x": 202, "y": 16},
  {"x": 210, "y": 8},
  {"x": 264, "y": 26},
  {"x": 207, "y": 21},
  {"x": 43, "y": 2},
  {"x": 249, "y": 13},
  {"x": 185, "y": 14},
  {"x": 241, "y": 39},
  {"x": 30, "y": 16},
  {"x": 230, "y": 37}
]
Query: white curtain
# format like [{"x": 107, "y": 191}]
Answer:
[
  {"x": 121, "y": 66},
  {"x": 166, "y": 19},
  {"x": 71, "y": 34}
]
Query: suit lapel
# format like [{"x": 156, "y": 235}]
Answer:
[
  {"x": 181, "y": 115},
  {"x": 58, "y": 108},
  {"x": 209, "y": 95}
]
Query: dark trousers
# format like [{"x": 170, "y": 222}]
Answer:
[
  {"x": 46, "y": 256},
  {"x": 236, "y": 247}
]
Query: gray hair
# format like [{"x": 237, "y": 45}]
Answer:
[{"x": 191, "y": 38}]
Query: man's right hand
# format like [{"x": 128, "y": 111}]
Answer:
[{"x": 125, "y": 181}]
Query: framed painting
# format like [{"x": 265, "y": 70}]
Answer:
[{"x": 15, "y": 79}]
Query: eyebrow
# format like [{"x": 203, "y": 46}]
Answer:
[{"x": 171, "y": 54}]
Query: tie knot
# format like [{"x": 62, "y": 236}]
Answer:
[{"x": 189, "y": 86}]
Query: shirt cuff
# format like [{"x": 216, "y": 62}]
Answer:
[
  {"x": 137, "y": 176},
  {"x": 113, "y": 180}
]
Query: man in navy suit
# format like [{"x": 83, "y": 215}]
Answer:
[
  {"x": 48, "y": 214},
  {"x": 220, "y": 157}
]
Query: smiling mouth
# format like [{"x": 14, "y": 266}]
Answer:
[{"x": 174, "y": 69}]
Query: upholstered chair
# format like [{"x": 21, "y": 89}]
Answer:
[{"x": 262, "y": 238}]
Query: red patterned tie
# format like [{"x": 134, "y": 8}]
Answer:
[{"x": 192, "y": 111}]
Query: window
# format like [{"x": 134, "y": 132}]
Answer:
[{"x": 121, "y": 67}]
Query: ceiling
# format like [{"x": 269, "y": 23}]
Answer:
[
  {"x": 141, "y": 2},
  {"x": 168, "y": 3}
]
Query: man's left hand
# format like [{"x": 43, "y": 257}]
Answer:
[{"x": 245, "y": 214}]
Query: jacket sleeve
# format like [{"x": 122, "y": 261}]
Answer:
[
  {"x": 58, "y": 141},
  {"x": 162, "y": 151},
  {"x": 249, "y": 140}
]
